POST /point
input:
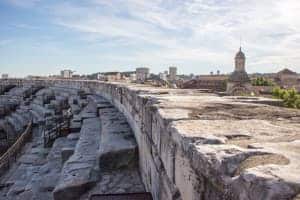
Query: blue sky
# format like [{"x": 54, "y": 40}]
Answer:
[{"x": 42, "y": 37}]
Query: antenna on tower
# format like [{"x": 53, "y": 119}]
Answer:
[{"x": 240, "y": 43}]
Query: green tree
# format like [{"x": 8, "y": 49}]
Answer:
[
  {"x": 290, "y": 97},
  {"x": 276, "y": 92},
  {"x": 297, "y": 103},
  {"x": 261, "y": 81}
]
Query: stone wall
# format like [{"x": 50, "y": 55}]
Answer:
[{"x": 199, "y": 146}]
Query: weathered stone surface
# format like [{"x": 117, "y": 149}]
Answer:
[
  {"x": 66, "y": 153},
  {"x": 42, "y": 111},
  {"x": 118, "y": 155},
  {"x": 73, "y": 136},
  {"x": 214, "y": 148},
  {"x": 13, "y": 121},
  {"x": 117, "y": 182},
  {"x": 80, "y": 172},
  {"x": 200, "y": 146},
  {"x": 118, "y": 146},
  {"x": 75, "y": 126},
  {"x": 36, "y": 172},
  {"x": 24, "y": 172}
]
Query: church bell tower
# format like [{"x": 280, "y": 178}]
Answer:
[{"x": 240, "y": 61}]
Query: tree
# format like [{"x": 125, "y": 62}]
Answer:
[
  {"x": 297, "y": 103},
  {"x": 290, "y": 97},
  {"x": 261, "y": 81},
  {"x": 276, "y": 92}
]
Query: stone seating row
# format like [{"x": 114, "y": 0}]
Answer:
[
  {"x": 37, "y": 110},
  {"x": 36, "y": 176},
  {"x": 80, "y": 172},
  {"x": 24, "y": 91},
  {"x": 15, "y": 97},
  {"x": 106, "y": 150},
  {"x": 6, "y": 88},
  {"x": 42, "y": 175},
  {"x": 118, "y": 146},
  {"x": 117, "y": 155}
]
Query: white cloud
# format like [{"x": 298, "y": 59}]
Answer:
[
  {"x": 23, "y": 3},
  {"x": 183, "y": 31},
  {"x": 5, "y": 42}
]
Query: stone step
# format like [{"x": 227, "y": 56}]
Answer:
[
  {"x": 3, "y": 138},
  {"x": 8, "y": 105},
  {"x": 37, "y": 118},
  {"x": 80, "y": 171},
  {"x": 45, "y": 95},
  {"x": 9, "y": 129},
  {"x": 13, "y": 121},
  {"x": 74, "y": 100},
  {"x": 38, "y": 101},
  {"x": 58, "y": 105},
  {"x": 6, "y": 88},
  {"x": 62, "y": 101},
  {"x": 75, "y": 109},
  {"x": 118, "y": 148},
  {"x": 42, "y": 111},
  {"x": 75, "y": 126},
  {"x": 49, "y": 173},
  {"x": 24, "y": 91},
  {"x": 73, "y": 136},
  {"x": 82, "y": 103},
  {"x": 96, "y": 99},
  {"x": 90, "y": 111},
  {"x": 2, "y": 131},
  {"x": 24, "y": 172},
  {"x": 37, "y": 171},
  {"x": 25, "y": 113},
  {"x": 21, "y": 119},
  {"x": 118, "y": 156},
  {"x": 77, "y": 118},
  {"x": 117, "y": 182},
  {"x": 64, "y": 90},
  {"x": 45, "y": 92}
]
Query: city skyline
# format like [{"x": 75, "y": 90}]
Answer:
[{"x": 42, "y": 37}]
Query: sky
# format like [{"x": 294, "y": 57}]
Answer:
[{"x": 42, "y": 37}]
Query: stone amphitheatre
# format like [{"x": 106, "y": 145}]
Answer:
[{"x": 68, "y": 139}]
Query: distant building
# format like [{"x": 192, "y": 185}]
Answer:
[
  {"x": 100, "y": 77},
  {"x": 66, "y": 73},
  {"x": 76, "y": 76},
  {"x": 132, "y": 77},
  {"x": 34, "y": 77},
  {"x": 172, "y": 73},
  {"x": 4, "y": 76},
  {"x": 142, "y": 74},
  {"x": 109, "y": 76},
  {"x": 128, "y": 75},
  {"x": 239, "y": 81},
  {"x": 163, "y": 76},
  {"x": 159, "y": 80},
  {"x": 213, "y": 83},
  {"x": 286, "y": 78},
  {"x": 210, "y": 82}
]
